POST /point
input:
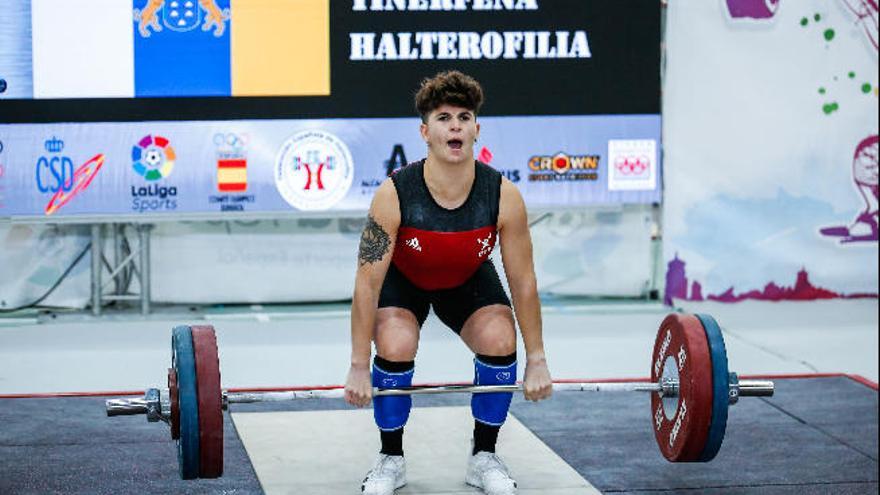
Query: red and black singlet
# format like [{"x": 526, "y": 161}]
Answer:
[{"x": 439, "y": 248}]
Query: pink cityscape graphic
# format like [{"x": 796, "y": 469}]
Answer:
[{"x": 679, "y": 287}]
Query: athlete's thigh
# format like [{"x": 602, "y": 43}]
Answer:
[
  {"x": 403, "y": 308},
  {"x": 479, "y": 311},
  {"x": 397, "y": 334},
  {"x": 490, "y": 331}
]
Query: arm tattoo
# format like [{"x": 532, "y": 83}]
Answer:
[{"x": 374, "y": 243}]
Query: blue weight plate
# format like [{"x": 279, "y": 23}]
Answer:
[
  {"x": 184, "y": 363},
  {"x": 720, "y": 387}
]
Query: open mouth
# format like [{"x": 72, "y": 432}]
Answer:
[{"x": 454, "y": 144}]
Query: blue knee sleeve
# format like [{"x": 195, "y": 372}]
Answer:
[
  {"x": 391, "y": 412},
  {"x": 492, "y": 408}
]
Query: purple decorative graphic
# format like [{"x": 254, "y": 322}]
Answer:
[
  {"x": 803, "y": 290},
  {"x": 696, "y": 291},
  {"x": 676, "y": 281},
  {"x": 752, "y": 9},
  {"x": 864, "y": 173},
  {"x": 866, "y": 13}
]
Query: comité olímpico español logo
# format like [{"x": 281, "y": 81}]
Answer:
[
  {"x": 313, "y": 170},
  {"x": 55, "y": 174},
  {"x": 232, "y": 165},
  {"x": 153, "y": 158}
]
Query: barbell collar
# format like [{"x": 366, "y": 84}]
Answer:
[
  {"x": 756, "y": 388},
  {"x": 125, "y": 407},
  {"x": 154, "y": 404},
  {"x": 153, "y": 399}
]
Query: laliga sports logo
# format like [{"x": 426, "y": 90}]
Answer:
[
  {"x": 313, "y": 170},
  {"x": 153, "y": 157}
]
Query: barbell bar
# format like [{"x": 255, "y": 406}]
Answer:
[
  {"x": 691, "y": 390},
  {"x": 152, "y": 404}
]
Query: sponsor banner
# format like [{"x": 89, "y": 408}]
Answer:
[{"x": 274, "y": 168}]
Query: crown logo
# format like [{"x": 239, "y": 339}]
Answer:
[{"x": 54, "y": 145}]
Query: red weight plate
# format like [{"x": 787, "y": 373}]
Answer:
[
  {"x": 683, "y": 437},
  {"x": 210, "y": 398},
  {"x": 175, "y": 404}
]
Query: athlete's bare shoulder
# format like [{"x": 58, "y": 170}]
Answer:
[
  {"x": 511, "y": 207},
  {"x": 385, "y": 209},
  {"x": 380, "y": 231},
  {"x": 385, "y": 198}
]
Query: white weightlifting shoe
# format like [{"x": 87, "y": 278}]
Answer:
[
  {"x": 487, "y": 472},
  {"x": 387, "y": 475}
]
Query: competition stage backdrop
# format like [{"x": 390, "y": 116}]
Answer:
[
  {"x": 247, "y": 110},
  {"x": 770, "y": 130},
  {"x": 321, "y": 97}
]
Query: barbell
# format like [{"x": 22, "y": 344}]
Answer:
[{"x": 691, "y": 389}]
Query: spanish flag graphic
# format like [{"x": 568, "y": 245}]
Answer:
[{"x": 231, "y": 175}]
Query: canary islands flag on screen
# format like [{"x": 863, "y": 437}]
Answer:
[
  {"x": 181, "y": 48},
  {"x": 166, "y": 48}
]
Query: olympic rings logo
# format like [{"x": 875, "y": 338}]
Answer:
[
  {"x": 632, "y": 165},
  {"x": 230, "y": 140}
]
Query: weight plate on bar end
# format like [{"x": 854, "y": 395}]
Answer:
[
  {"x": 184, "y": 364},
  {"x": 720, "y": 387},
  {"x": 175, "y": 404},
  {"x": 210, "y": 407},
  {"x": 681, "y": 341}
]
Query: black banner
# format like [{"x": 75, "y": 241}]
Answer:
[{"x": 533, "y": 57}]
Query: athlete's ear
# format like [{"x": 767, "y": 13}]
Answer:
[
  {"x": 423, "y": 130},
  {"x": 477, "y": 135}
]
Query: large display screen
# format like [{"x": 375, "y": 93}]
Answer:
[
  {"x": 110, "y": 60},
  {"x": 166, "y": 108}
]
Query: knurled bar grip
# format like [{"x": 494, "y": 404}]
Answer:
[
  {"x": 338, "y": 393},
  {"x": 755, "y": 388}
]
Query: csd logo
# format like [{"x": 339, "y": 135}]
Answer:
[{"x": 54, "y": 172}]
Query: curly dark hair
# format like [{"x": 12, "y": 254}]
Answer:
[{"x": 450, "y": 87}]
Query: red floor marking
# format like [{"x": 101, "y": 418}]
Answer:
[
  {"x": 864, "y": 381},
  {"x": 55, "y": 395},
  {"x": 786, "y": 376}
]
